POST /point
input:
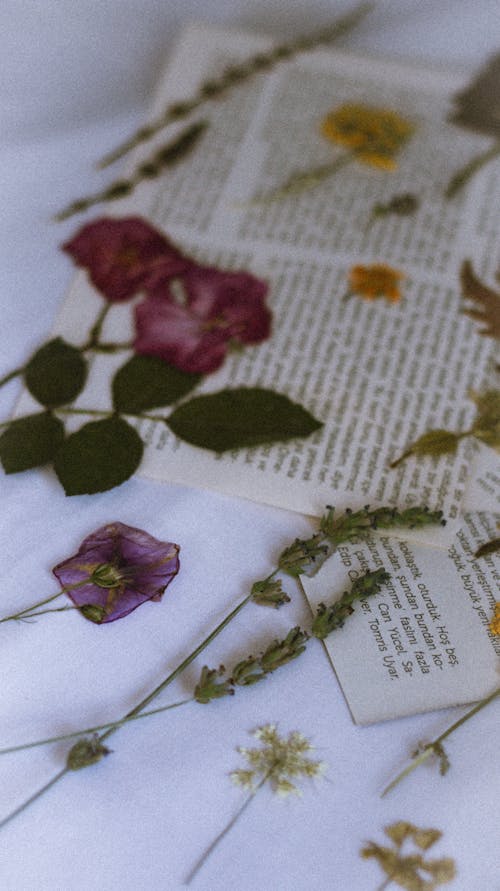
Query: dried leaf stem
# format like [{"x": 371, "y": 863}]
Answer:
[{"x": 433, "y": 747}]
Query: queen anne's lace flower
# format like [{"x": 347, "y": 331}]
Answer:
[{"x": 279, "y": 761}]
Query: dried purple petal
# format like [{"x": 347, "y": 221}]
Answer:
[{"x": 124, "y": 567}]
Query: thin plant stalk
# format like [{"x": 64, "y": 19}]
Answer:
[
  {"x": 431, "y": 747},
  {"x": 9, "y": 750},
  {"x": 462, "y": 177},
  {"x": 298, "y": 182},
  {"x": 27, "y": 613},
  {"x": 138, "y": 708},
  {"x": 211, "y": 848}
]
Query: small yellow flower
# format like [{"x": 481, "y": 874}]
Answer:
[
  {"x": 375, "y": 281},
  {"x": 375, "y": 135},
  {"x": 495, "y": 622}
]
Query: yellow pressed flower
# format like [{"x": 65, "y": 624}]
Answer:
[
  {"x": 375, "y": 281},
  {"x": 495, "y": 622},
  {"x": 375, "y": 135}
]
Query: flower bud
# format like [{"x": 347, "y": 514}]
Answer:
[{"x": 86, "y": 752}]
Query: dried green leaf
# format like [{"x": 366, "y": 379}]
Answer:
[
  {"x": 233, "y": 419},
  {"x": 145, "y": 382},
  {"x": 30, "y": 442},
  {"x": 85, "y": 753},
  {"x": 56, "y": 374},
  {"x": 488, "y": 407},
  {"x": 269, "y": 593},
  {"x": 434, "y": 442},
  {"x": 99, "y": 456}
]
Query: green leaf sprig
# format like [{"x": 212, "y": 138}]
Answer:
[
  {"x": 107, "y": 450},
  {"x": 308, "y": 556},
  {"x": 485, "y": 427}
]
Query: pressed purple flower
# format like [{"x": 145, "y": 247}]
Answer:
[
  {"x": 124, "y": 256},
  {"x": 220, "y": 307},
  {"x": 124, "y": 567}
]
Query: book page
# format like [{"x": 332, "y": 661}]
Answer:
[
  {"x": 376, "y": 375},
  {"x": 423, "y": 642}
]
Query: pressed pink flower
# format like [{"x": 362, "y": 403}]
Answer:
[
  {"x": 194, "y": 336},
  {"x": 124, "y": 567},
  {"x": 124, "y": 256}
]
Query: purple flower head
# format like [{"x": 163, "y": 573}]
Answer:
[
  {"x": 194, "y": 336},
  {"x": 124, "y": 568},
  {"x": 124, "y": 256}
]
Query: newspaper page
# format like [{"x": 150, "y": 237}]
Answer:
[
  {"x": 423, "y": 643},
  {"x": 376, "y": 375}
]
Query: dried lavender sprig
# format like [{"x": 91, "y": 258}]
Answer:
[
  {"x": 165, "y": 157},
  {"x": 236, "y": 74},
  {"x": 305, "y": 557},
  {"x": 436, "y": 746},
  {"x": 331, "y": 617},
  {"x": 332, "y": 533},
  {"x": 213, "y": 684}
]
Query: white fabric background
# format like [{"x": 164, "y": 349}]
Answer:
[{"x": 75, "y": 78}]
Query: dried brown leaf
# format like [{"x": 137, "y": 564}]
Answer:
[{"x": 486, "y": 299}]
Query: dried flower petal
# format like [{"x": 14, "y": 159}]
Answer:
[
  {"x": 375, "y": 135},
  {"x": 220, "y": 307},
  {"x": 495, "y": 622},
  {"x": 375, "y": 281},
  {"x": 125, "y": 256},
  {"x": 124, "y": 567}
]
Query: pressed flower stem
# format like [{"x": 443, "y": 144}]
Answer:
[
  {"x": 204, "y": 857},
  {"x": 109, "y": 724},
  {"x": 38, "y": 794},
  {"x": 300, "y": 181},
  {"x": 183, "y": 665},
  {"x": 133, "y": 713},
  {"x": 95, "y": 331},
  {"x": 430, "y": 747},
  {"x": 462, "y": 177},
  {"x": 27, "y": 613},
  {"x": 11, "y": 375}
]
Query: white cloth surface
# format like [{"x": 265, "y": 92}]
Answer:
[{"x": 75, "y": 81}]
